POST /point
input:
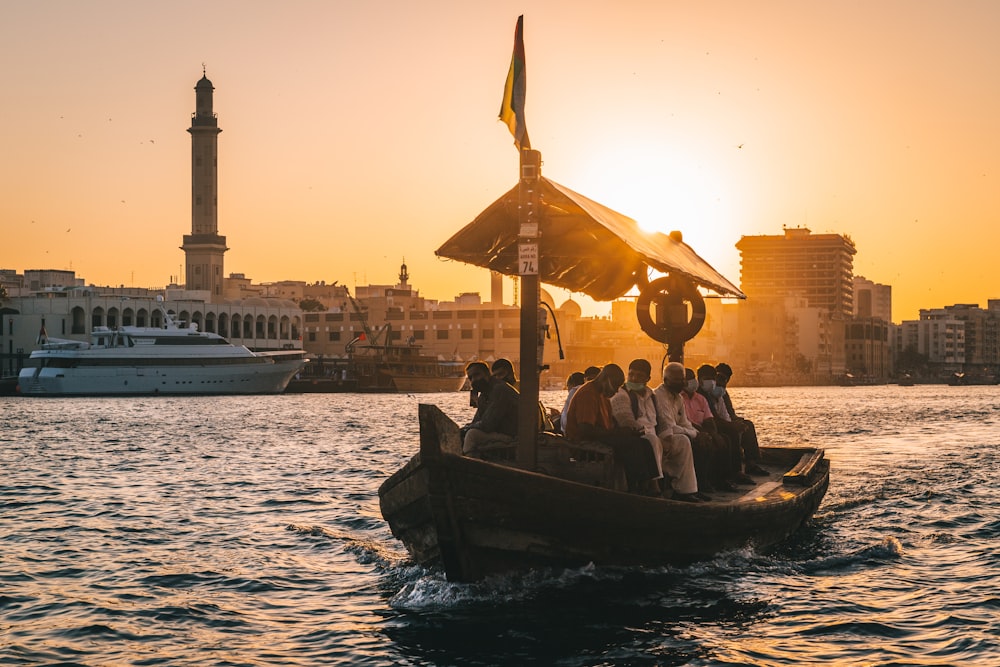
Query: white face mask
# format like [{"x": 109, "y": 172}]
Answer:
[{"x": 708, "y": 385}]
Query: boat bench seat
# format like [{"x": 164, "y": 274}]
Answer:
[
  {"x": 586, "y": 462},
  {"x": 497, "y": 451},
  {"x": 591, "y": 463},
  {"x": 801, "y": 474}
]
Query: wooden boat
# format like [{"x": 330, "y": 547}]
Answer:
[
  {"x": 546, "y": 501},
  {"x": 8, "y": 385},
  {"x": 374, "y": 366},
  {"x": 403, "y": 368},
  {"x": 477, "y": 517},
  {"x": 381, "y": 369}
]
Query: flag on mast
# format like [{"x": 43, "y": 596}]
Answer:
[{"x": 512, "y": 107}]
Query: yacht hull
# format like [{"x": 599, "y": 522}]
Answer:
[{"x": 253, "y": 377}]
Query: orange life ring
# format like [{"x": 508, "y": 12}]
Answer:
[{"x": 670, "y": 332}]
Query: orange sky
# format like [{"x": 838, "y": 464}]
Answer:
[{"x": 359, "y": 133}]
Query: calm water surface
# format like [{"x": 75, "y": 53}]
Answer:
[{"x": 246, "y": 531}]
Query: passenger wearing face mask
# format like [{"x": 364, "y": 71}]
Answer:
[
  {"x": 589, "y": 418},
  {"x": 724, "y": 455},
  {"x": 674, "y": 419},
  {"x": 713, "y": 393},
  {"x": 748, "y": 432},
  {"x": 496, "y": 409},
  {"x": 635, "y": 406}
]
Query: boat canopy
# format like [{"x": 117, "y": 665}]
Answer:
[{"x": 583, "y": 246}]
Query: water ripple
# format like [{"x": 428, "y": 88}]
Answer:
[{"x": 247, "y": 531}]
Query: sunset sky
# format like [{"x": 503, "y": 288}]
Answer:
[{"x": 359, "y": 133}]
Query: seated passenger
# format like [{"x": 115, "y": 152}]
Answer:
[
  {"x": 589, "y": 418},
  {"x": 725, "y": 455},
  {"x": 674, "y": 419},
  {"x": 733, "y": 433},
  {"x": 635, "y": 406},
  {"x": 496, "y": 410},
  {"x": 504, "y": 370},
  {"x": 748, "y": 438},
  {"x": 573, "y": 382}
]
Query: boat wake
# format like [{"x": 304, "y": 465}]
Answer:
[
  {"x": 427, "y": 589},
  {"x": 366, "y": 550},
  {"x": 430, "y": 590},
  {"x": 888, "y": 550}
]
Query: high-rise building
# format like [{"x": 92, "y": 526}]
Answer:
[
  {"x": 204, "y": 247},
  {"x": 872, "y": 299},
  {"x": 818, "y": 267}
]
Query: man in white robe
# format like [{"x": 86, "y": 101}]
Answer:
[{"x": 634, "y": 406}]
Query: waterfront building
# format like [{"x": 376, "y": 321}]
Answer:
[
  {"x": 70, "y": 311},
  {"x": 721, "y": 339},
  {"x": 818, "y": 267},
  {"x": 961, "y": 338},
  {"x": 868, "y": 339},
  {"x": 799, "y": 288},
  {"x": 467, "y": 328},
  {"x": 785, "y": 340},
  {"x": 868, "y": 349},
  {"x": 463, "y": 329},
  {"x": 872, "y": 299},
  {"x": 940, "y": 341}
]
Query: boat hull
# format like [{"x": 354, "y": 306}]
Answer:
[
  {"x": 427, "y": 385},
  {"x": 406, "y": 369},
  {"x": 475, "y": 517},
  {"x": 269, "y": 377}
]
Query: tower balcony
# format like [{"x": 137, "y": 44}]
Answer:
[{"x": 204, "y": 242}]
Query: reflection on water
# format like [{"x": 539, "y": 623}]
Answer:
[{"x": 247, "y": 530}]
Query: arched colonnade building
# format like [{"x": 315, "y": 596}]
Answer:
[{"x": 260, "y": 324}]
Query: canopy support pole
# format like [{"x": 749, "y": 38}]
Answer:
[{"x": 528, "y": 217}]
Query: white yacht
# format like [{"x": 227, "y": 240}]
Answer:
[{"x": 147, "y": 360}]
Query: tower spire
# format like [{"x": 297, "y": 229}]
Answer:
[
  {"x": 404, "y": 275},
  {"x": 204, "y": 247}
]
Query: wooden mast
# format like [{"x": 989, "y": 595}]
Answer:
[{"x": 528, "y": 258}]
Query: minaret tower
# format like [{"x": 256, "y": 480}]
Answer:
[
  {"x": 404, "y": 275},
  {"x": 203, "y": 247}
]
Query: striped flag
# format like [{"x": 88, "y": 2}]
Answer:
[{"x": 512, "y": 107}]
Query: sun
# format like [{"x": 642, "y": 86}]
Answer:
[{"x": 663, "y": 191}]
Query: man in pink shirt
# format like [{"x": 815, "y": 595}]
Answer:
[
  {"x": 673, "y": 419},
  {"x": 695, "y": 405},
  {"x": 725, "y": 455}
]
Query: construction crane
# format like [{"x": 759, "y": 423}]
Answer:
[{"x": 371, "y": 336}]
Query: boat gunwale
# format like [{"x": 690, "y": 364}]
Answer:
[{"x": 440, "y": 503}]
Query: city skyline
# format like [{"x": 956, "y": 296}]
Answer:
[{"x": 356, "y": 136}]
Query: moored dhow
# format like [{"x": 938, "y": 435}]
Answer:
[{"x": 150, "y": 360}]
